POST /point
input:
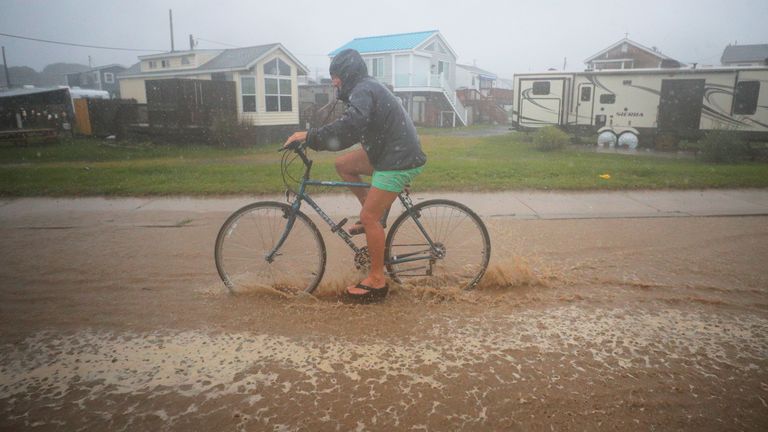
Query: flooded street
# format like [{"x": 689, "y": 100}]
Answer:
[{"x": 117, "y": 320}]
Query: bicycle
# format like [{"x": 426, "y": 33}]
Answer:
[{"x": 275, "y": 245}]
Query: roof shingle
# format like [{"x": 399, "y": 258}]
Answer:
[
  {"x": 236, "y": 57},
  {"x": 744, "y": 53}
]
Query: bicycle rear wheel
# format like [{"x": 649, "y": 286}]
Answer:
[
  {"x": 462, "y": 246},
  {"x": 250, "y": 234}
]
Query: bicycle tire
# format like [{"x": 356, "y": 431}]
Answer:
[
  {"x": 250, "y": 233},
  {"x": 452, "y": 226}
]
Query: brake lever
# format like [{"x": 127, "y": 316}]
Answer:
[{"x": 293, "y": 145}]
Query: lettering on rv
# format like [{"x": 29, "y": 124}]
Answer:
[{"x": 629, "y": 114}]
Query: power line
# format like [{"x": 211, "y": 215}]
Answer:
[{"x": 77, "y": 45}]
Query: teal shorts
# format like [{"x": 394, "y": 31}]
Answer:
[{"x": 394, "y": 181}]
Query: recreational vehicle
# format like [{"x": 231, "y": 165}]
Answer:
[{"x": 648, "y": 105}]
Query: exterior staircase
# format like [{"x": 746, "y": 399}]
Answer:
[{"x": 453, "y": 100}]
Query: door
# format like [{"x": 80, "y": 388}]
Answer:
[
  {"x": 402, "y": 71},
  {"x": 585, "y": 105},
  {"x": 681, "y": 105},
  {"x": 442, "y": 69}
]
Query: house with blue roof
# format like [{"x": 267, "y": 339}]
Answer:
[{"x": 420, "y": 67}]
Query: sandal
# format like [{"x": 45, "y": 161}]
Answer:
[
  {"x": 356, "y": 229},
  {"x": 372, "y": 295}
]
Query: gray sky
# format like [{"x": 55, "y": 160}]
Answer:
[{"x": 503, "y": 37}]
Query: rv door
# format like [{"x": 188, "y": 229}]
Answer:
[
  {"x": 585, "y": 105},
  {"x": 681, "y": 105}
]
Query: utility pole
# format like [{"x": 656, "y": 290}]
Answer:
[
  {"x": 191, "y": 43},
  {"x": 170, "y": 18},
  {"x": 7, "y": 75},
  {"x": 565, "y": 62}
]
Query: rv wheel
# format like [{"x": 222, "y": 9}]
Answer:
[
  {"x": 628, "y": 140},
  {"x": 606, "y": 139}
]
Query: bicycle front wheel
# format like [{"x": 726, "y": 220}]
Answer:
[
  {"x": 458, "y": 255},
  {"x": 250, "y": 235}
]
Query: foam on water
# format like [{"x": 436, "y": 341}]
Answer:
[{"x": 269, "y": 371}]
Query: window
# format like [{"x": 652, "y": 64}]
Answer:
[
  {"x": 745, "y": 97},
  {"x": 377, "y": 67},
  {"x": 152, "y": 64},
  {"x": 541, "y": 88},
  {"x": 624, "y": 47},
  {"x": 248, "y": 92},
  {"x": 185, "y": 60},
  {"x": 278, "y": 94},
  {"x": 165, "y": 63},
  {"x": 277, "y": 67},
  {"x": 607, "y": 98},
  {"x": 586, "y": 94},
  {"x": 277, "y": 91},
  {"x": 109, "y": 77}
]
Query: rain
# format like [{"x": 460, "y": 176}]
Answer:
[{"x": 573, "y": 198}]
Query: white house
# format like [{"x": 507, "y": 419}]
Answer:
[
  {"x": 472, "y": 77},
  {"x": 265, "y": 77},
  {"x": 420, "y": 67}
]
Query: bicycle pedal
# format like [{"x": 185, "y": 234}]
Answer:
[{"x": 339, "y": 225}]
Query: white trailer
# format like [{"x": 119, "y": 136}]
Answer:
[{"x": 649, "y": 104}]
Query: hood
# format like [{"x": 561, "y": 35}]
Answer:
[{"x": 350, "y": 67}]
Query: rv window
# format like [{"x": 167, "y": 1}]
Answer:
[
  {"x": 586, "y": 94},
  {"x": 541, "y": 88},
  {"x": 607, "y": 98},
  {"x": 745, "y": 97}
]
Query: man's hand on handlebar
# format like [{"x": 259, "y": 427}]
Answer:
[{"x": 297, "y": 137}]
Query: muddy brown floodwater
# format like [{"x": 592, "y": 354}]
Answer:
[{"x": 115, "y": 320}]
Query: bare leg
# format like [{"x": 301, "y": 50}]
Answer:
[
  {"x": 351, "y": 166},
  {"x": 374, "y": 206}
]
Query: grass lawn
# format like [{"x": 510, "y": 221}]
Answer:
[{"x": 89, "y": 167}]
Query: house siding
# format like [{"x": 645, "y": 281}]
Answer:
[
  {"x": 640, "y": 57},
  {"x": 133, "y": 89},
  {"x": 387, "y": 78}
]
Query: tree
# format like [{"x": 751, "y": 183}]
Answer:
[
  {"x": 56, "y": 73},
  {"x": 20, "y": 75}
]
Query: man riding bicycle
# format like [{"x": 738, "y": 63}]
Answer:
[{"x": 391, "y": 154}]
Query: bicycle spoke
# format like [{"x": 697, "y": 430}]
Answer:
[
  {"x": 461, "y": 246},
  {"x": 253, "y": 233}
]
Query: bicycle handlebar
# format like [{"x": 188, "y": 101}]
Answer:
[{"x": 293, "y": 145}]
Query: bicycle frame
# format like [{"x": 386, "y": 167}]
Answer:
[{"x": 336, "y": 227}]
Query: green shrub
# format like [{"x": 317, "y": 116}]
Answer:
[
  {"x": 550, "y": 138},
  {"x": 225, "y": 131},
  {"x": 722, "y": 146}
]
